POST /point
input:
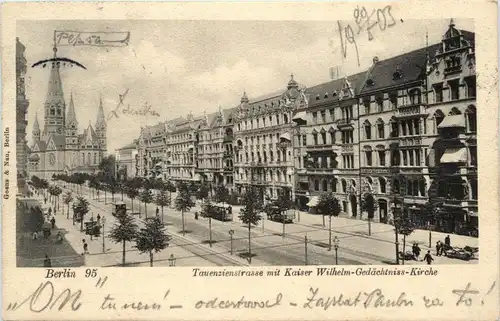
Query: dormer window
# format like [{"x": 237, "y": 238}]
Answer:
[
  {"x": 334, "y": 94},
  {"x": 398, "y": 74},
  {"x": 317, "y": 97},
  {"x": 370, "y": 82},
  {"x": 326, "y": 95}
]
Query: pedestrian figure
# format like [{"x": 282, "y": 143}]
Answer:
[
  {"x": 438, "y": 248},
  {"x": 85, "y": 247},
  {"x": 195, "y": 215},
  {"x": 53, "y": 222},
  {"x": 417, "y": 251},
  {"x": 47, "y": 262},
  {"x": 50, "y": 210},
  {"x": 428, "y": 258},
  {"x": 414, "y": 250},
  {"x": 35, "y": 235},
  {"x": 157, "y": 211},
  {"x": 45, "y": 200},
  {"x": 447, "y": 241},
  {"x": 98, "y": 219}
]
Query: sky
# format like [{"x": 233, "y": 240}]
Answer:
[{"x": 183, "y": 66}]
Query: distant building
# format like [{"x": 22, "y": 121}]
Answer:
[
  {"x": 125, "y": 161},
  {"x": 21, "y": 122},
  {"x": 59, "y": 148}
]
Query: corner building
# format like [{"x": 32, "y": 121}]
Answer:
[
  {"x": 327, "y": 143},
  {"x": 263, "y": 130}
]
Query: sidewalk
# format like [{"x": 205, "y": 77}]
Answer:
[{"x": 113, "y": 254}]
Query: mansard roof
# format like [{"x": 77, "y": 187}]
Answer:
[
  {"x": 332, "y": 90},
  {"x": 395, "y": 71}
]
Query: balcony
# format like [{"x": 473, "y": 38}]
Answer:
[
  {"x": 410, "y": 141},
  {"x": 344, "y": 122},
  {"x": 453, "y": 70},
  {"x": 347, "y": 148},
  {"x": 410, "y": 110}
]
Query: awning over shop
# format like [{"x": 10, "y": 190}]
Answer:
[
  {"x": 313, "y": 202},
  {"x": 301, "y": 116},
  {"x": 451, "y": 121},
  {"x": 285, "y": 136},
  {"x": 454, "y": 155}
]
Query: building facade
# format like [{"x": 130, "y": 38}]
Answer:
[
  {"x": 452, "y": 141},
  {"x": 126, "y": 161},
  {"x": 327, "y": 144},
  {"x": 215, "y": 149},
  {"x": 60, "y": 148},
  {"x": 22, "y": 104},
  {"x": 263, "y": 132},
  {"x": 403, "y": 131}
]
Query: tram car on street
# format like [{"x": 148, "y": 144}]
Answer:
[
  {"x": 119, "y": 208},
  {"x": 278, "y": 216},
  {"x": 222, "y": 213}
]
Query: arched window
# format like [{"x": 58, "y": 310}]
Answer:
[
  {"x": 380, "y": 128},
  {"x": 88, "y": 158},
  {"x": 325, "y": 185},
  {"x": 333, "y": 185},
  {"x": 344, "y": 186},
  {"x": 316, "y": 185},
  {"x": 471, "y": 118},
  {"x": 285, "y": 118},
  {"x": 368, "y": 129},
  {"x": 455, "y": 111},
  {"x": 395, "y": 186},
  {"x": 383, "y": 185},
  {"x": 438, "y": 118}
]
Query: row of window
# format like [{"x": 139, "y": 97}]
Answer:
[
  {"x": 258, "y": 157},
  {"x": 272, "y": 120}
]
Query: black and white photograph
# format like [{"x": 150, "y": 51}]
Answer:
[{"x": 198, "y": 143}]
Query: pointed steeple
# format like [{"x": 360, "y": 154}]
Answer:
[
  {"x": 55, "y": 107},
  {"x": 71, "y": 117},
  {"x": 101, "y": 122},
  {"x": 36, "y": 129}
]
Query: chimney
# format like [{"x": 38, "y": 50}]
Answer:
[
  {"x": 335, "y": 72},
  {"x": 375, "y": 60}
]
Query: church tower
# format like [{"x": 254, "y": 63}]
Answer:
[
  {"x": 101, "y": 127},
  {"x": 55, "y": 107},
  {"x": 36, "y": 130},
  {"x": 71, "y": 126}
]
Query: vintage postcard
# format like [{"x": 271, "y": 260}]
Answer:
[{"x": 250, "y": 161}]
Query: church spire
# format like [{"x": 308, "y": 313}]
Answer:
[
  {"x": 100, "y": 122},
  {"x": 71, "y": 117},
  {"x": 36, "y": 129},
  {"x": 55, "y": 107}
]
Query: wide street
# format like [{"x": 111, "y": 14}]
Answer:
[{"x": 269, "y": 247}]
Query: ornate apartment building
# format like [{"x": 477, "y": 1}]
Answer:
[
  {"x": 452, "y": 140},
  {"x": 215, "y": 148},
  {"x": 263, "y": 129},
  {"x": 327, "y": 144},
  {"x": 404, "y": 131}
]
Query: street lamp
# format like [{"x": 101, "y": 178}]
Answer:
[
  {"x": 231, "y": 232},
  {"x": 336, "y": 242},
  {"x": 171, "y": 260},
  {"x": 103, "y": 220}
]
